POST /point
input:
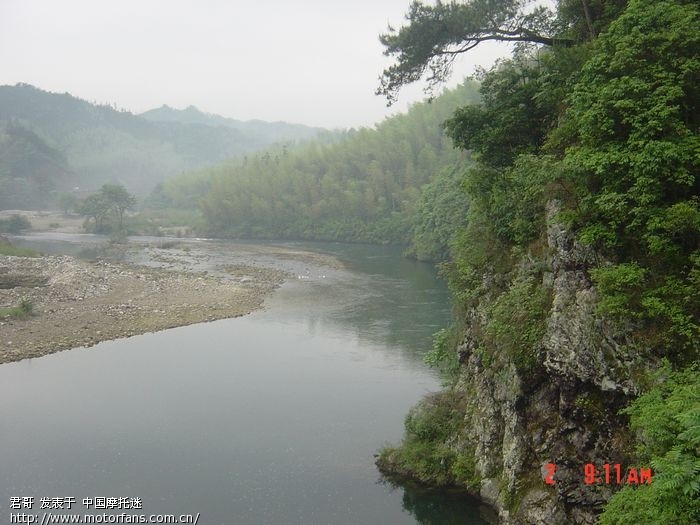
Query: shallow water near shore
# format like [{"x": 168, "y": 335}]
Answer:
[{"x": 269, "y": 418}]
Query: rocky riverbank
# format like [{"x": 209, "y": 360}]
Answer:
[
  {"x": 76, "y": 302},
  {"x": 518, "y": 411}
]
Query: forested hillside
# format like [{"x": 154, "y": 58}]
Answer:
[
  {"x": 576, "y": 270},
  {"x": 30, "y": 170},
  {"x": 101, "y": 144},
  {"x": 365, "y": 185}
]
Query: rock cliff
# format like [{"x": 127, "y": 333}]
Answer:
[{"x": 557, "y": 403}]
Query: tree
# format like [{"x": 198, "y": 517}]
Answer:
[
  {"x": 95, "y": 207},
  {"x": 15, "y": 224},
  {"x": 513, "y": 118},
  {"x": 633, "y": 117},
  {"x": 437, "y": 34},
  {"x": 119, "y": 199},
  {"x": 112, "y": 198},
  {"x": 68, "y": 202},
  {"x": 363, "y": 186}
]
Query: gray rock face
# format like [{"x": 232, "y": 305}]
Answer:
[
  {"x": 579, "y": 345},
  {"x": 564, "y": 411}
]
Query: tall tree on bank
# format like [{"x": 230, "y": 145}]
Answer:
[
  {"x": 437, "y": 34},
  {"x": 119, "y": 199},
  {"x": 112, "y": 198}
]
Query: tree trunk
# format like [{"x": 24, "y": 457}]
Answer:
[{"x": 589, "y": 22}]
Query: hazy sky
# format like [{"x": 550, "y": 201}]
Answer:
[{"x": 308, "y": 61}]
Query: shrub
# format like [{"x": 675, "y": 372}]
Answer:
[
  {"x": 443, "y": 355},
  {"x": 24, "y": 309},
  {"x": 667, "y": 421},
  {"x": 16, "y": 251},
  {"x": 424, "y": 454},
  {"x": 15, "y": 224},
  {"x": 518, "y": 321}
]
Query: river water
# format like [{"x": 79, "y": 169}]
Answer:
[{"x": 271, "y": 418}]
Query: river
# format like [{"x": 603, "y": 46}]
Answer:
[{"x": 269, "y": 418}]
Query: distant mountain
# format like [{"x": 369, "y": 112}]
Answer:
[
  {"x": 98, "y": 144},
  {"x": 266, "y": 131}
]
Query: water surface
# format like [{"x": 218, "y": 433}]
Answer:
[{"x": 269, "y": 418}]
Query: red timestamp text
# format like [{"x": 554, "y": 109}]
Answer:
[
  {"x": 605, "y": 474},
  {"x": 615, "y": 474}
]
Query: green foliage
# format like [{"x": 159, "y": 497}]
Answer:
[
  {"x": 119, "y": 199},
  {"x": 609, "y": 128},
  {"x": 620, "y": 287},
  {"x": 634, "y": 112},
  {"x": 443, "y": 355},
  {"x": 16, "y": 251},
  {"x": 182, "y": 192},
  {"x": 423, "y": 455},
  {"x": 427, "y": 463},
  {"x": 30, "y": 169},
  {"x": 463, "y": 469},
  {"x": 508, "y": 189},
  {"x": 95, "y": 207},
  {"x": 441, "y": 212},
  {"x": 434, "y": 420},
  {"x": 668, "y": 309},
  {"x": 437, "y": 33},
  {"x": 571, "y": 15},
  {"x": 667, "y": 420},
  {"x": 628, "y": 175},
  {"x": 506, "y": 211},
  {"x": 363, "y": 187},
  {"x": 24, "y": 309},
  {"x": 476, "y": 253},
  {"x": 16, "y": 223},
  {"x": 513, "y": 118},
  {"x": 56, "y": 141},
  {"x": 517, "y": 322},
  {"x": 164, "y": 221},
  {"x": 514, "y": 198},
  {"x": 8, "y": 249},
  {"x": 111, "y": 199}
]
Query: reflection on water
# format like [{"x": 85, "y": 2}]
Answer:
[
  {"x": 382, "y": 298},
  {"x": 270, "y": 418},
  {"x": 441, "y": 507},
  {"x": 84, "y": 245}
]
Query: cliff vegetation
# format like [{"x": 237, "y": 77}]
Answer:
[{"x": 576, "y": 270}]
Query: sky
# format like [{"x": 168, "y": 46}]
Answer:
[{"x": 313, "y": 62}]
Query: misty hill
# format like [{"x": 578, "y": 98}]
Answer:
[
  {"x": 366, "y": 185},
  {"x": 268, "y": 132},
  {"x": 100, "y": 144},
  {"x": 30, "y": 169}
]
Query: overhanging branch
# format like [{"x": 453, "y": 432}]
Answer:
[{"x": 437, "y": 34}]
